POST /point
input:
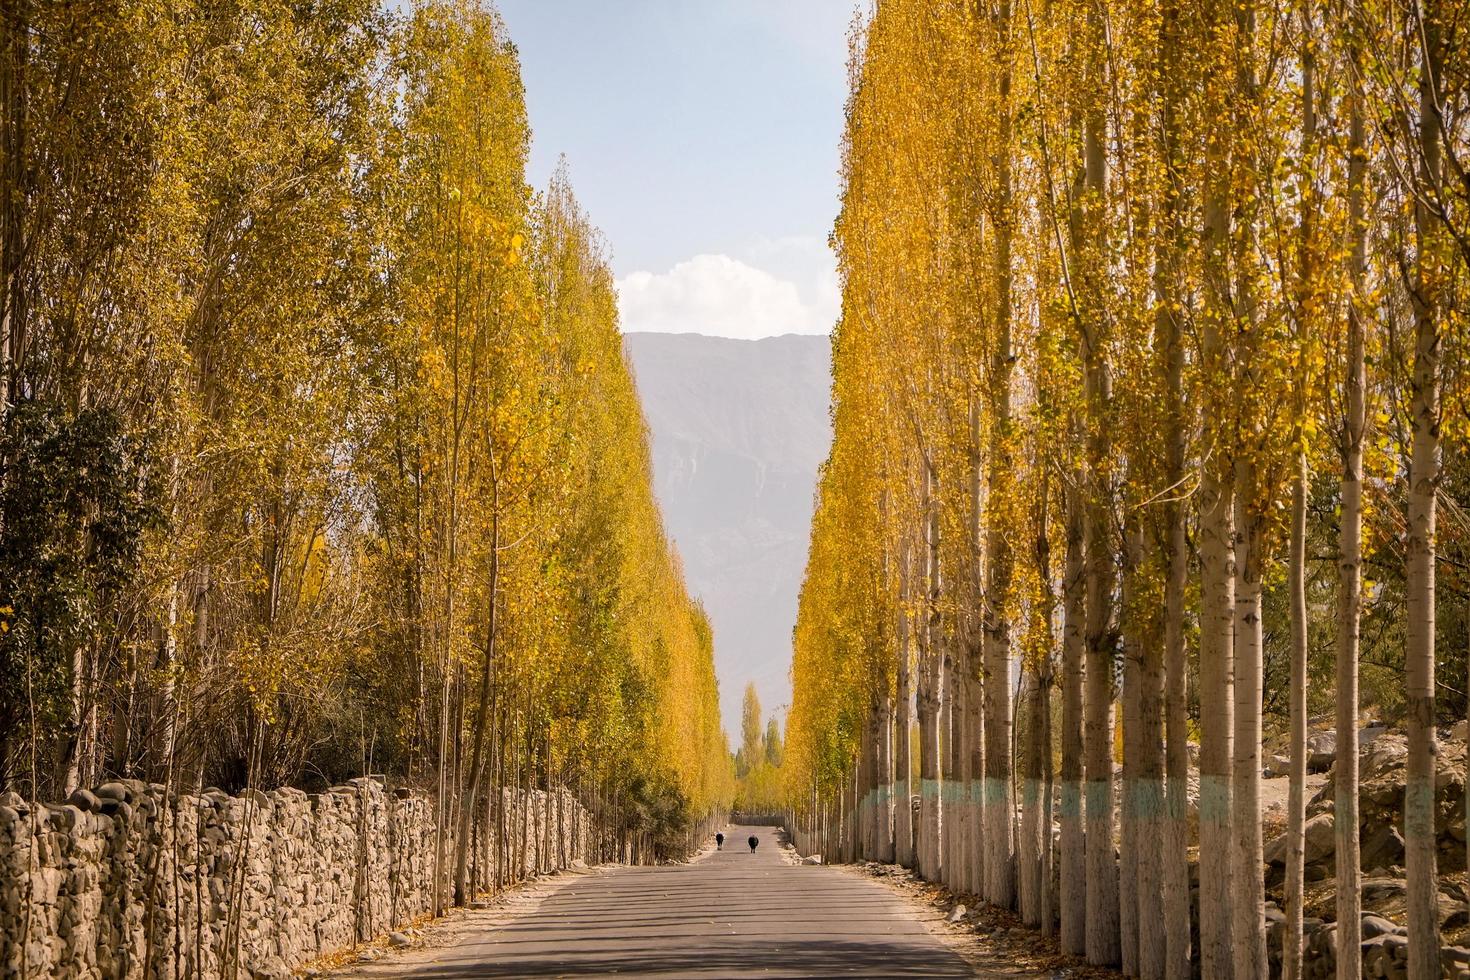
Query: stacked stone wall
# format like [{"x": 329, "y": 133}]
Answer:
[{"x": 132, "y": 881}]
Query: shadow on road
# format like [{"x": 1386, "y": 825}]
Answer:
[{"x": 730, "y": 914}]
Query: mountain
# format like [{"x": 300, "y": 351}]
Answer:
[{"x": 739, "y": 430}]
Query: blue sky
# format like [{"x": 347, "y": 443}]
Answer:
[{"x": 702, "y": 137}]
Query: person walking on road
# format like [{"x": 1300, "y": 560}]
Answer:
[
  {"x": 753, "y": 841},
  {"x": 719, "y": 842}
]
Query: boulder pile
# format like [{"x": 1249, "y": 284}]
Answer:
[{"x": 1382, "y": 759}]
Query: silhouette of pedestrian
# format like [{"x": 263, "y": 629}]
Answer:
[
  {"x": 753, "y": 841},
  {"x": 719, "y": 842}
]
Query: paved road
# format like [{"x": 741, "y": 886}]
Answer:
[{"x": 730, "y": 914}]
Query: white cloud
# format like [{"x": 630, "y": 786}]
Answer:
[{"x": 726, "y": 297}]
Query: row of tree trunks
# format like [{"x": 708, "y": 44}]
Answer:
[{"x": 1222, "y": 466}]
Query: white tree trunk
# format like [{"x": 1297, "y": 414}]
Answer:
[
  {"x": 1148, "y": 806},
  {"x": 903, "y": 814},
  {"x": 930, "y": 693},
  {"x": 1424, "y": 476},
  {"x": 1073, "y": 883},
  {"x": 1296, "y": 811},
  {"x": 1350, "y": 550},
  {"x": 1128, "y": 864},
  {"x": 1248, "y": 901}
]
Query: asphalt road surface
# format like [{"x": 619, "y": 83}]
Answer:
[{"x": 730, "y": 914}]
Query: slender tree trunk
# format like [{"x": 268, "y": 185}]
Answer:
[
  {"x": 878, "y": 788},
  {"x": 996, "y": 789},
  {"x": 1425, "y": 470},
  {"x": 861, "y": 766},
  {"x": 482, "y": 712},
  {"x": 960, "y": 828},
  {"x": 928, "y": 856},
  {"x": 1073, "y": 857},
  {"x": 974, "y": 805},
  {"x": 1048, "y": 802},
  {"x": 948, "y": 708},
  {"x": 1034, "y": 822},
  {"x": 930, "y": 694},
  {"x": 998, "y": 792},
  {"x": 1217, "y": 580},
  {"x": 958, "y": 755},
  {"x": 1149, "y": 807},
  {"x": 1296, "y": 799},
  {"x": 1248, "y": 923},
  {"x": 1174, "y": 841},
  {"x": 1102, "y": 866},
  {"x": 885, "y": 779},
  {"x": 1174, "y": 838},
  {"x": 1248, "y": 903},
  {"x": 68, "y": 755},
  {"x": 1132, "y": 636},
  {"x": 1035, "y": 843},
  {"x": 974, "y": 799},
  {"x": 903, "y": 813},
  {"x": 1216, "y": 723},
  {"x": 1296, "y": 816},
  {"x": 1350, "y": 550}
]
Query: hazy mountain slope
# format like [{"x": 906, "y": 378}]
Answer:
[{"x": 739, "y": 430}]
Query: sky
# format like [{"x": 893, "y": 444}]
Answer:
[{"x": 702, "y": 137}]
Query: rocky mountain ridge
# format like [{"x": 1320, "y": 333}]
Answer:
[{"x": 739, "y": 430}]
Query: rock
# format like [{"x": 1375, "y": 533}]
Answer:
[
  {"x": 399, "y": 939},
  {"x": 1377, "y": 891},
  {"x": 957, "y": 914},
  {"x": 1383, "y": 848},
  {"x": 369, "y": 955},
  {"x": 1386, "y": 752},
  {"x": 118, "y": 810},
  {"x": 64, "y": 818},
  {"x": 1320, "y": 839},
  {"x": 812, "y": 859},
  {"x": 1321, "y": 751},
  {"x": 113, "y": 791},
  {"x": 1277, "y": 765},
  {"x": 1368, "y": 733},
  {"x": 1275, "y": 924},
  {"x": 1326, "y": 939},
  {"x": 1320, "y": 842},
  {"x": 85, "y": 800},
  {"x": 1377, "y": 925},
  {"x": 1374, "y": 953}
]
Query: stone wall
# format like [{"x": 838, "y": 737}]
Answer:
[{"x": 131, "y": 881}]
